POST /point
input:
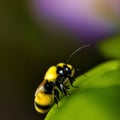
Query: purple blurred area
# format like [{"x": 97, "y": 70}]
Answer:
[
  {"x": 37, "y": 34},
  {"x": 89, "y": 19}
]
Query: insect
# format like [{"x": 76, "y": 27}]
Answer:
[{"x": 57, "y": 80}]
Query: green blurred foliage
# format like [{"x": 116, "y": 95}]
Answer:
[
  {"x": 110, "y": 48},
  {"x": 97, "y": 97}
]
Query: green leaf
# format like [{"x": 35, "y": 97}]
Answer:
[
  {"x": 97, "y": 98},
  {"x": 110, "y": 48}
]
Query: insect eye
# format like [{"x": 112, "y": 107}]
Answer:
[
  {"x": 60, "y": 71},
  {"x": 67, "y": 69}
]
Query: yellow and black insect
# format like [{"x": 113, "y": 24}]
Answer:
[{"x": 57, "y": 79}]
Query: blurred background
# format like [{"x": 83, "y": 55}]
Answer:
[{"x": 35, "y": 34}]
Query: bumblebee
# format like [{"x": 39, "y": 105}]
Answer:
[{"x": 57, "y": 80}]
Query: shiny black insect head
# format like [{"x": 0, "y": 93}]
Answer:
[{"x": 64, "y": 71}]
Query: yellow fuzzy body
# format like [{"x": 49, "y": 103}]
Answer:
[
  {"x": 51, "y": 74},
  {"x": 43, "y": 100}
]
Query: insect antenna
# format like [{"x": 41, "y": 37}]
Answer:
[{"x": 74, "y": 52}]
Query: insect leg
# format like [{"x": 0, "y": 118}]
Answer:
[
  {"x": 56, "y": 96},
  {"x": 63, "y": 89},
  {"x": 71, "y": 81}
]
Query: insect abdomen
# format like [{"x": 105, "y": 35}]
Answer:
[
  {"x": 43, "y": 102},
  {"x": 41, "y": 108}
]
